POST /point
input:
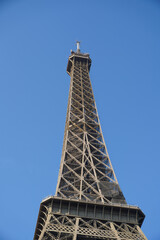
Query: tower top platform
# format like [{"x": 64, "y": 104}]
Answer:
[{"x": 83, "y": 57}]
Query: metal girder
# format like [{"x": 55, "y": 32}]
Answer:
[{"x": 67, "y": 226}]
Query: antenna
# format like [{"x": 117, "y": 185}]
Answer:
[{"x": 78, "y": 46}]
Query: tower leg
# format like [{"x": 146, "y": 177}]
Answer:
[
  {"x": 114, "y": 230},
  {"x": 76, "y": 228}
]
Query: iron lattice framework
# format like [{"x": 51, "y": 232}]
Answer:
[{"x": 89, "y": 203}]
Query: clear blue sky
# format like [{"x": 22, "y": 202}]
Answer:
[{"x": 123, "y": 39}]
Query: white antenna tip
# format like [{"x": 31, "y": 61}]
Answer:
[{"x": 78, "y": 46}]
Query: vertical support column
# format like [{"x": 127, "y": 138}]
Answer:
[
  {"x": 76, "y": 229},
  {"x": 115, "y": 231},
  {"x": 58, "y": 190},
  {"x": 84, "y": 134}
]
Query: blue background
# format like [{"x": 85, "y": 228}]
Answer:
[{"x": 123, "y": 39}]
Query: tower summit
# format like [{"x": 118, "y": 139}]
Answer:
[{"x": 88, "y": 203}]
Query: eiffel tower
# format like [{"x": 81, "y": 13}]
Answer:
[{"x": 88, "y": 203}]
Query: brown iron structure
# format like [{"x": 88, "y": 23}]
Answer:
[{"x": 88, "y": 203}]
